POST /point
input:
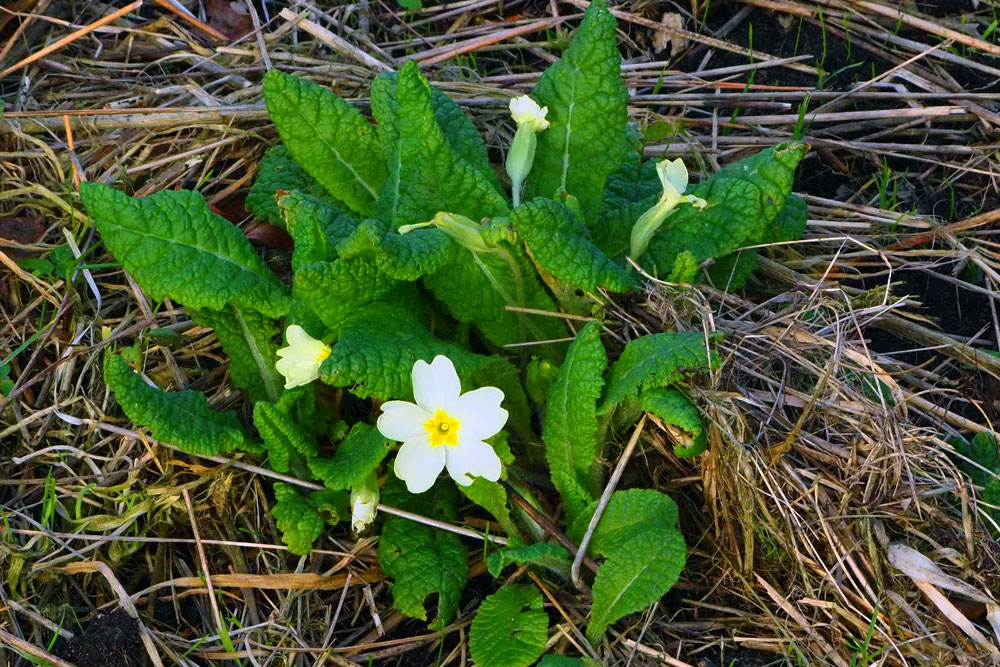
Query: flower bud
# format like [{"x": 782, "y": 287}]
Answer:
[
  {"x": 463, "y": 230},
  {"x": 364, "y": 503},
  {"x": 530, "y": 120}
]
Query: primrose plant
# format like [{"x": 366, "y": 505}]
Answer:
[{"x": 417, "y": 273}]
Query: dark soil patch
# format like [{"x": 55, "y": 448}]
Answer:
[
  {"x": 110, "y": 640},
  {"x": 736, "y": 657}
]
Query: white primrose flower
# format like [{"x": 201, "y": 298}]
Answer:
[
  {"x": 525, "y": 111},
  {"x": 674, "y": 179},
  {"x": 444, "y": 428},
  {"x": 299, "y": 361},
  {"x": 530, "y": 120}
]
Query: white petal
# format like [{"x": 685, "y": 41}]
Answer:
[
  {"x": 472, "y": 458},
  {"x": 436, "y": 385},
  {"x": 479, "y": 413},
  {"x": 673, "y": 173},
  {"x": 296, "y": 336},
  {"x": 525, "y": 111},
  {"x": 418, "y": 464},
  {"x": 402, "y": 420}
]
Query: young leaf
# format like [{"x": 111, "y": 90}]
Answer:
[
  {"x": 644, "y": 553},
  {"x": 175, "y": 246},
  {"x": 587, "y": 101},
  {"x": 561, "y": 244},
  {"x": 656, "y": 360},
  {"x": 298, "y": 517},
  {"x": 183, "y": 418},
  {"x": 328, "y": 137},
  {"x": 424, "y": 561},
  {"x": 510, "y": 629},
  {"x": 356, "y": 457},
  {"x": 278, "y": 171},
  {"x": 426, "y": 175},
  {"x": 306, "y": 211},
  {"x": 677, "y": 411},
  {"x": 247, "y": 339},
  {"x": 492, "y": 497},
  {"x": 547, "y": 555},
  {"x": 283, "y": 436},
  {"x": 637, "y": 573},
  {"x": 569, "y": 430},
  {"x": 455, "y": 125}
]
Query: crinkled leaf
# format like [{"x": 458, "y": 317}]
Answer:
[
  {"x": 637, "y": 573},
  {"x": 278, "y": 171},
  {"x": 570, "y": 427},
  {"x": 632, "y": 181},
  {"x": 510, "y": 628},
  {"x": 247, "y": 339},
  {"x": 561, "y": 245},
  {"x": 399, "y": 256},
  {"x": 477, "y": 288},
  {"x": 337, "y": 290},
  {"x": 303, "y": 211},
  {"x": 356, "y": 457},
  {"x": 426, "y": 174},
  {"x": 328, "y": 137},
  {"x": 771, "y": 171},
  {"x": 297, "y": 518},
  {"x": 455, "y": 125},
  {"x": 655, "y": 360},
  {"x": 183, "y": 419},
  {"x": 587, "y": 101},
  {"x": 685, "y": 269},
  {"x": 675, "y": 410},
  {"x": 423, "y": 561},
  {"x": 283, "y": 436},
  {"x": 628, "y": 513},
  {"x": 983, "y": 451},
  {"x": 790, "y": 223},
  {"x": 175, "y": 246},
  {"x": 732, "y": 271},
  {"x": 547, "y": 555}
]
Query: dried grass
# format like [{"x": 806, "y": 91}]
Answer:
[{"x": 809, "y": 475}]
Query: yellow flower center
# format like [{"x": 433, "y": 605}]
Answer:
[
  {"x": 323, "y": 354},
  {"x": 442, "y": 429}
]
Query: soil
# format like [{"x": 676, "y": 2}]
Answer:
[{"x": 110, "y": 640}]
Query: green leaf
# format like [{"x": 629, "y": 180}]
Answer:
[
  {"x": 328, "y": 137},
  {"x": 510, "y": 629},
  {"x": 632, "y": 181},
  {"x": 477, "y": 288},
  {"x": 553, "y": 660},
  {"x": 356, "y": 457},
  {"x": 635, "y": 575},
  {"x": 426, "y": 174},
  {"x": 282, "y": 435},
  {"x": 570, "y": 427},
  {"x": 297, "y": 518},
  {"x": 587, "y": 101},
  {"x": 675, "y": 409},
  {"x": 547, "y": 555},
  {"x": 492, "y": 497},
  {"x": 306, "y": 212},
  {"x": 175, "y": 246},
  {"x": 732, "y": 271},
  {"x": 685, "y": 269},
  {"x": 790, "y": 223},
  {"x": 339, "y": 289},
  {"x": 456, "y": 126},
  {"x": 424, "y": 561},
  {"x": 644, "y": 551},
  {"x": 278, "y": 171},
  {"x": 183, "y": 419},
  {"x": 983, "y": 451},
  {"x": 655, "y": 360},
  {"x": 628, "y": 513},
  {"x": 247, "y": 339},
  {"x": 561, "y": 245},
  {"x": 399, "y": 256},
  {"x": 771, "y": 171},
  {"x": 613, "y": 232}
]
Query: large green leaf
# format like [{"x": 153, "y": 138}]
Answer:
[
  {"x": 329, "y": 139},
  {"x": 570, "y": 427},
  {"x": 654, "y": 360},
  {"x": 426, "y": 174},
  {"x": 423, "y": 561},
  {"x": 247, "y": 338},
  {"x": 283, "y": 436},
  {"x": 510, "y": 629},
  {"x": 587, "y": 102},
  {"x": 181, "y": 418},
  {"x": 561, "y": 244},
  {"x": 175, "y": 246},
  {"x": 337, "y": 290}
]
